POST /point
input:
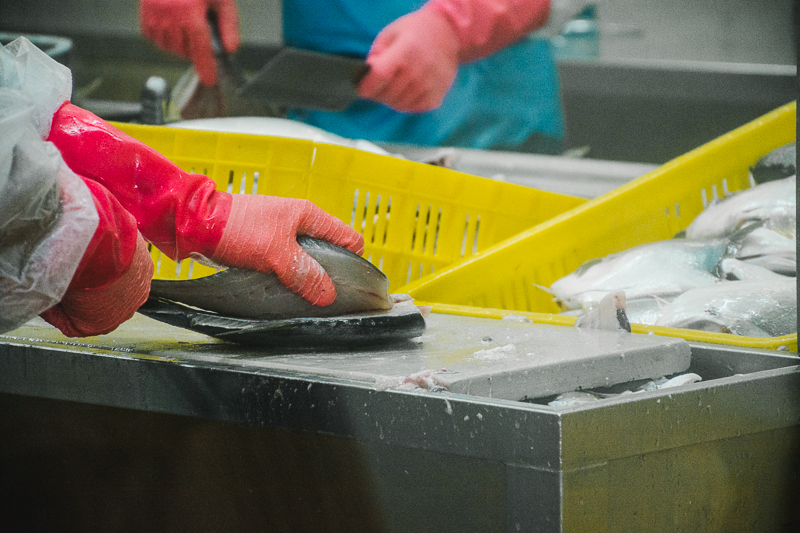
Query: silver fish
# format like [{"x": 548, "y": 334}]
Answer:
[
  {"x": 360, "y": 286},
  {"x": 646, "y": 309},
  {"x": 770, "y": 249},
  {"x": 765, "y": 202},
  {"x": 738, "y": 270},
  {"x": 779, "y": 163},
  {"x": 749, "y": 308},
  {"x": 663, "y": 268}
]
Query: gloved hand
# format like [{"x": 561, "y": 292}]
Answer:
[
  {"x": 181, "y": 27},
  {"x": 414, "y": 60},
  {"x": 261, "y": 234},
  {"x": 184, "y": 215},
  {"x": 113, "y": 278}
]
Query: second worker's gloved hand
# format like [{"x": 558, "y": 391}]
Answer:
[
  {"x": 181, "y": 27},
  {"x": 413, "y": 62},
  {"x": 113, "y": 278},
  {"x": 261, "y": 234}
]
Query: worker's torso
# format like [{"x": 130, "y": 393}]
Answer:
[{"x": 495, "y": 102}]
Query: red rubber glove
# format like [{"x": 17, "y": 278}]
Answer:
[
  {"x": 181, "y": 27},
  {"x": 182, "y": 214},
  {"x": 113, "y": 277},
  {"x": 414, "y": 60}
]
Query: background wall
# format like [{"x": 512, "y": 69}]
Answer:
[
  {"x": 259, "y": 19},
  {"x": 669, "y": 75},
  {"x": 704, "y": 30}
]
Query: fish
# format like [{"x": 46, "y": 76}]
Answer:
[
  {"x": 765, "y": 241},
  {"x": 608, "y": 314},
  {"x": 778, "y": 164},
  {"x": 748, "y": 308},
  {"x": 770, "y": 203},
  {"x": 738, "y": 270},
  {"x": 770, "y": 249},
  {"x": 241, "y": 293},
  {"x": 663, "y": 268},
  {"x": 401, "y": 323},
  {"x": 646, "y": 309},
  {"x": 579, "y": 397}
]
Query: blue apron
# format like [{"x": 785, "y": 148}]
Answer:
[{"x": 497, "y": 102}]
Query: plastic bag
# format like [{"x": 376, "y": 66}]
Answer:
[
  {"x": 42, "y": 80},
  {"x": 47, "y": 215}
]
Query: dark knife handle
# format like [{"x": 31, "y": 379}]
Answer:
[{"x": 222, "y": 57}]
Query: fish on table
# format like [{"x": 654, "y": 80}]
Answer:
[
  {"x": 241, "y": 293},
  {"x": 255, "y": 308}
]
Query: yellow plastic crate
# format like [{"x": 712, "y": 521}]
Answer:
[
  {"x": 415, "y": 218},
  {"x": 651, "y": 208}
]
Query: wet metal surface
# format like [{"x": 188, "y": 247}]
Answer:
[
  {"x": 475, "y": 356},
  {"x": 674, "y": 459}
]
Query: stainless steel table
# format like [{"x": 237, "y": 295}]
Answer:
[{"x": 155, "y": 428}]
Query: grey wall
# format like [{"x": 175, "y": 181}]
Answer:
[
  {"x": 745, "y": 31},
  {"x": 259, "y": 19},
  {"x": 742, "y": 31}
]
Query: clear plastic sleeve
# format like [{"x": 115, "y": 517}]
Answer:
[{"x": 47, "y": 215}]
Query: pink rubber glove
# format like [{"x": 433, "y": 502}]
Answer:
[
  {"x": 261, "y": 234},
  {"x": 414, "y": 60},
  {"x": 113, "y": 278},
  {"x": 181, "y": 27},
  {"x": 183, "y": 214}
]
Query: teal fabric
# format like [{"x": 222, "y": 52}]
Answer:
[{"x": 498, "y": 102}]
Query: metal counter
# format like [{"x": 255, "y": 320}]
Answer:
[{"x": 156, "y": 428}]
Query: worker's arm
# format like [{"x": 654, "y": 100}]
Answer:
[
  {"x": 181, "y": 27},
  {"x": 184, "y": 216},
  {"x": 414, "y": 61},
  {"x": 113, "y": 277}
]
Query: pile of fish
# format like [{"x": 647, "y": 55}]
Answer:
[{"x": 733, "y": 270}]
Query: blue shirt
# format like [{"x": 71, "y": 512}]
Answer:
[{"x": 495, "y": 102}]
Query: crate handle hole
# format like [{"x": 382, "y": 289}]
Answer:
[
  {"x": 355, "y": 208},
  {"x": 229, "y": 188},
  {"x": 375, "y": 217},
  {"x": 464, "y": 238},
  {"x": 436, "y": 235},
  {"x": 365, "y": 213},
  {"x": 427, "y": 230},
  {"x": 387, "y": 217},
  {"x": 477, "y": 230}
]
